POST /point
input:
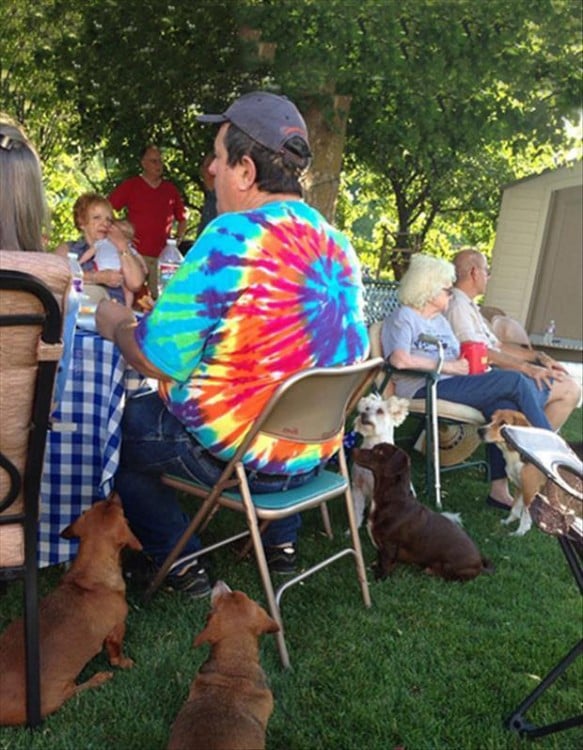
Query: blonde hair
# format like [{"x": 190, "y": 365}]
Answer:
[
  {"x": 424, "y": 280},
  {"x": 23, "y": 207}
]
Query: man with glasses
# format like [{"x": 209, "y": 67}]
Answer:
[
  {"x": 153, "y": 205},
  {"x": 468, "y": 324}
]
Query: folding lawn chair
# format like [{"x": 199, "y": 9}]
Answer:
[
  {"x": 431, "y": 411},
  {"x": 559, "y": 512},
  {"x": 309, "y": 407}
]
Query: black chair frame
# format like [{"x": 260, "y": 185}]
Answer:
[
  {"x": 553, "y": 454},
  {"x": 51, "y": 322}
]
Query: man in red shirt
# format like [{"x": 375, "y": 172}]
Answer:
[{"x": 152, "y": 205}]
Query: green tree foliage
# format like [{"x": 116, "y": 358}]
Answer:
[
  {"x": 449, "y": 99},
  {"x": 143, "y": 70}
]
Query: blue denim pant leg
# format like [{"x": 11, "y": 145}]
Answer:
[
  {"x": 154, "y": 442},
  {"x": 497, "y": 389}
]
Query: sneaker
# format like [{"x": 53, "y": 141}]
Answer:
[
  {"x": 282, "y": 559},
  {"x": 138, "y": 569},
  {"x": 193, "y": 580}
]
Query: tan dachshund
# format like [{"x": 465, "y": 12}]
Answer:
[
  {"x": 229, "y": 703},
  {"x": 526, "y": 478},
  {"x": 86, "y": 612},
  {"x": 405, "y": 530}
]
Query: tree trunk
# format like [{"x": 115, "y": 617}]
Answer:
[{"x": 326, "y": 118}]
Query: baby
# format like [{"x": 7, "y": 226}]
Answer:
[{"x": 105, "y": 255}]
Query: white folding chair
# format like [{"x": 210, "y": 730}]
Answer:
[
  {"x": 431, "y": 411},
  {"x": 309, "y": 407}
]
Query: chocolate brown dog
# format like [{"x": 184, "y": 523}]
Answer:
[
  {"x": 85, "y": 613},
  {"x": 229, "y": 702},
  {"x": 404, "y": 530}
]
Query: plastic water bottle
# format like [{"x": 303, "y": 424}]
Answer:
[
  {"x": 549, "y": 333},
  {"x": 76, "y": 273},
  {"x": 168, "y": 263},
  {"x": 71, "y": 315}
]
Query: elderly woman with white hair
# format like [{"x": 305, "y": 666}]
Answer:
[{"x": 425, "y": 291}]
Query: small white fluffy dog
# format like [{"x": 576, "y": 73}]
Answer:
[{"x": 376, "y": 422}]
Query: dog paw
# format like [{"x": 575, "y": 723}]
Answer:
[
  {"x": 101, "y": 678},
  {"x": 123, "y": 662}
]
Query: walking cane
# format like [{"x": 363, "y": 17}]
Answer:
[{"x": 432, "y": 405}]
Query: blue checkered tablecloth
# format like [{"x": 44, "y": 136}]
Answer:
[{"x": 83, "y": 446}]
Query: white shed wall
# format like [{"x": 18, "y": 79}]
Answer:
[{"x": 520, "y": 235}]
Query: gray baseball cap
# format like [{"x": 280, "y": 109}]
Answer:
[{"x": 269, "y": 119}]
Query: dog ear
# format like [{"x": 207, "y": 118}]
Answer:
[
  {"x": 521, "y": 420},
  {"x": 114, "y": 498},
  {"x": 211, "y": 633},
  {"x": 398, "y": 409},
  {"x": 266, "y": 624},
  {"x": 75, "y": 529},
  {"x": 399, "y": 462},
  {"x": 129, "y": 540}
]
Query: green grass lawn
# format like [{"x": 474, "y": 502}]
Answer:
[{"x": 432, "y": 665}]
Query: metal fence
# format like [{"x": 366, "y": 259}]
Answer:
[{"x": 380, "y": 299}]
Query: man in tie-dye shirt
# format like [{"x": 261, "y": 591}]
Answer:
[{"x": 268, "y": 289}]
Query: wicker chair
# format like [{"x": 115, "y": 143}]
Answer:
[{"x": 30, "y": 349}]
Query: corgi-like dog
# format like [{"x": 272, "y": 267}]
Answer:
[{"x": 526, "y": 478}]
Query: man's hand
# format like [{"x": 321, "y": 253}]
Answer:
[
  {"x": 109, "y": 314},
  {"x": 547, "y": 361},
  {"x": 541, "y": 375}
]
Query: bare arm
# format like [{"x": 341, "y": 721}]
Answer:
[
  {"x": 133, "y": 269},
  {"x": 510, "y": 357},
  {"x": 181, "y": 230},
  {"x": 117, "y": 323},
  {"x": 406, "y": 361}
]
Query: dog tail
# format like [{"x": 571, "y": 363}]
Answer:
[
  {"x": 453, "y": 517},
  {"x": 488, "y": 566}
]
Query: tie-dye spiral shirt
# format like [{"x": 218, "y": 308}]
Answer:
[{"x": 261, "y": 295}]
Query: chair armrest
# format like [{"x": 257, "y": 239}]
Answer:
[{"x": 431, "y": 376}]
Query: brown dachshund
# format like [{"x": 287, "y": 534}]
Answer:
[
  {"x": 86, "y": 612},
  {"x": 526, "y": 478},
  {"x": 405, "y": 530},
  {"x": 229, "y": 702}
]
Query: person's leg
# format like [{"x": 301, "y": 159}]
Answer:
[
  {"x": 154, "y": 442},
  {"x": 280, "y": 537},
  {"x": 564, "y": 397},
  {"x": 498, "y": 389},
  {"x": 152, "y": 278}
]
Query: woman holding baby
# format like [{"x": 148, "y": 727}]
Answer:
[
  {"x": 93, "y": 216},
  {"x": 425, "y": 291}
]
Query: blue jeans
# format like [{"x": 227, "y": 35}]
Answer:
[
  {"x": 155, "y": 443},
  {"x": 497, "y": 389}
]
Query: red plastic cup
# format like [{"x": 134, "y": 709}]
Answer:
[{"x": 477, "y": 355}]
